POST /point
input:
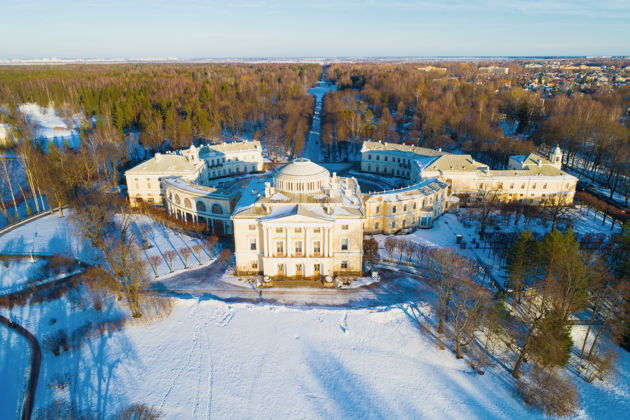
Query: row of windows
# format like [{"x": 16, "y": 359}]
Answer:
[
  {"x": 228, "y": 171},
  {"x": 398, "y": 172},
  {"x": 317, "y": 268},
  {"x": 393, "y": 159},
  {"x": 424, "y": 221},
  {"x": 297, "y": 229},
  {"x": 500, "y": 185},
  {"x": 405, "y": 207},
  {"x": 300, "y": 186},
  {"x": 199, "y": 205},
  {"x": 317, "y": 246},
  {"x": 219, "y": 161}
]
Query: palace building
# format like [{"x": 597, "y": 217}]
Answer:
[
  {"x": 530, "y": 179},
  {"x": 197, "y": 165},
  {"x": 303, "y": 221},
  {"x": 307, "y": 224}
]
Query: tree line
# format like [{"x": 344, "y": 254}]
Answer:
[{"x": 172, "y": 105}]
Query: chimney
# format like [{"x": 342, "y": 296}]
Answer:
[
  {"x": 158, "y": 157},
  {"x": 539, "y": 163}
]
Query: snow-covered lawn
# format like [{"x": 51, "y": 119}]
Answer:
[
  {"x": 54, "y": 235},
  {"x": 211, "y": 359},
  {"x": 20, "y": 271},
  {"x": 444, "y": 231},
  {"x": 14, "y": 361}
]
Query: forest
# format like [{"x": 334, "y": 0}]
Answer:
[{"x": 172, "y": 106}]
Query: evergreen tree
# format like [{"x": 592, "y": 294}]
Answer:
[{"x": 521, "y": 262}]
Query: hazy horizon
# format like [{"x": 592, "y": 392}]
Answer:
[{"x": 292, "y": 29}]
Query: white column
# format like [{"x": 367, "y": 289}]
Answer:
[
  {"x": 330, "y": 242},
  {"x": 307, "y": 247},
  {"x": 265, "y": 241},
  {"x": 287, "y": 248}
]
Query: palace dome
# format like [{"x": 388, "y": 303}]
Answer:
[{"x": 301, "y": 176}]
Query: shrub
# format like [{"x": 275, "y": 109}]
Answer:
[
  {"x": 138, "y": 412},
  {"x": 549, "y": 392}
]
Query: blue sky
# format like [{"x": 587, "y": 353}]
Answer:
[{"x": 284, "y": 28}]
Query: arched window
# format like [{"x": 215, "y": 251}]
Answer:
[
  {"x": 201, "y": 206},
  {"x": 177, "y": 200},
  {"x": 216, "y": 209},
  {"x": 187, "y": 203}
]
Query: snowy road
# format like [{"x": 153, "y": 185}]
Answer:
[
  {"x": 313, "y": 146},
  {"x": 207, "y": 283}
]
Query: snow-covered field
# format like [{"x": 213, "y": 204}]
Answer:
[
  {"x": 214, "y": 359},
  {"x": 54, "y": 235},
  {"x": 211, "y": 359},
  {"x": 17, "y": 272}
]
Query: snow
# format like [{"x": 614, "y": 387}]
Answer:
[
  {"x": 313, "y": 146},
  {"x": 359, "y": 358},
  {"x": 279, "y": 197},
  {"x": 212, "y": 359},
  {"x": 48, "y": 235},
  {"x": 17, "y": 272},
  {"x": 48, "y": 125},
  {"x": 14, "y": 361},
  {"x": 54, "y": 235}
]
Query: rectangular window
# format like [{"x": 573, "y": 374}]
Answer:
[
  {"x": 344, "y": 244},
  {"x": 376, "y": 225},
  {"x": 344, "y": 265},
  {"x": 280, "y": 247},
  {"x": 316, "y": 268},
  {"x": 252, "y": 227},
  {"x": 317, "y": 247},
  {"x": 255, "y": 264},
  {"x": 393, "y": 224},
  {"x": 344, "y": 227},
  {"x": 252, "y": 244},
  {"x": 317, "y": 230},
  {"x": 415, "y": 205},
  {"x": 298, "y": 230},
  {"x": 405, "y": 207},
  {"x": 278, "y": 230},
  {"x": 378, "y": 210},
  {"x": 298, "y": 248},
  {"x": 394, "y": 209}
]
